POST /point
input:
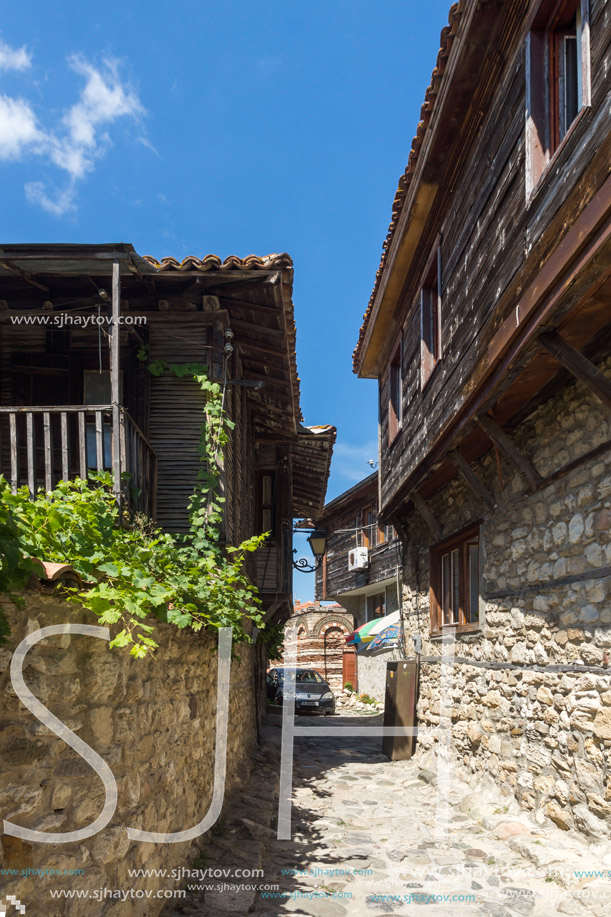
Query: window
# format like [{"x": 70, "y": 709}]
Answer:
[
  {"x": 394, "y": 395},
  {"x": 97, "y": 390},
  {"x": 455, "y": 576},
  {"x": 376, "y": 606},
  {"x": 267, "y": 503},
  {"x": 367, "y": 534},
  {"x": 370, "y": 530},
  {"x": 430, "y": 318},
  {"x": 558, "y": 79},
  {"x": 358, "y": 528}
]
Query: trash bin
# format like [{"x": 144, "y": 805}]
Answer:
[{"x": 400, "y": 707}]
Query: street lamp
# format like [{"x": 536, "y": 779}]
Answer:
[{"x": 318, "y": 542}]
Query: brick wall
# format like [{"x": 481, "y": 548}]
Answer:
[{"x": 321, "y": 638}]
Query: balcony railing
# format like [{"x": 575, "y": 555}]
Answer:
[{"x": 42, "y": 445}]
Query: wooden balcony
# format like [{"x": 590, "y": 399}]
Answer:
[
  {"x": 42, "y": 445},
  {"x": 274, "y": 563}
]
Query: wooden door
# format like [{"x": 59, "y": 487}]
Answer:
[{"x": 349, "y": 670}]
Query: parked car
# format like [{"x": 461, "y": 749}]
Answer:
[{"x": 312, "y": 693}]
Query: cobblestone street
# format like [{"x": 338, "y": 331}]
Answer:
[{"x": 366, "y": 842}]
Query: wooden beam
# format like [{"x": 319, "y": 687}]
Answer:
[
  {"x": 578, "y": 365},
  {"x": 524, "y": 465},
  {"x": 256, "y": 328},
  {"x": 271, "y": 611},
  {"x": 471, "y": 479},
  {"x": 24, "y": 274},
  {"x": 261, "y": 348},
  {"x": 399, "y": 528},
  {"x": 243, "y": 304},
  {"x": 115, "y": 382},
  {"x": 426, "y": 514}
]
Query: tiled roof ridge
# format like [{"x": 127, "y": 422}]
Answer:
[
  {"x": 448, "y": 33},
  {"x": 280, "y": 262},
  {"x": 215, "y": 263}
]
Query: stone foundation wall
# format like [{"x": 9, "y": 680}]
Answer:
[
  {"x": 531, "y": 692},
  {"x": 372, "y": 672},
  {"x": 152, "y": 721}
]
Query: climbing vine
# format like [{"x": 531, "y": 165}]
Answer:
[{"x": 133, "y": 572}]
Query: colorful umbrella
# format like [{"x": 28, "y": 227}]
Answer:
[
  {"x": 366, "y": 632},
  {"x": 384, "y": 638},
  {"x": 360, "y": 633}
]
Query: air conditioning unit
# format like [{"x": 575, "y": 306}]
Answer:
[{"x": 358, "y": 559}]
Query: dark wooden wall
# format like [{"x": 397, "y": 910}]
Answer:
[
  {"x": 488, "y": 232},
  {"x": 335, "y": 577}
]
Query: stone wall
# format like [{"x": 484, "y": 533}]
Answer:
[
  {"x": 372, "y": 672},
  {"x": 531, "y": 692},
  {"x": 152, "y": 721}
]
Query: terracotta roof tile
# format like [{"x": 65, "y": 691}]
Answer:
[
  {"x": 214, "y": 263},
  {"x": 448, "y": 34}
]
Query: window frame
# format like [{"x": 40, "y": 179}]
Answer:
[
  {"x": 266, "y": 506},
  {"x": 395, "y": 393},
  {"x": 544, "y": 139},
  {"x": 458, "y": 542},
  {"x": 371, "y": 609},
  {"x": 430, "y": 297}
]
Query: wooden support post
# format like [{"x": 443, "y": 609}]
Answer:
[
  {"x": 399, "y": 528},
  {"x": 99, "y": 441},
  {"x": 48, "y": 451},
  {"x": 471, "y": 479},
  {"x": 82, "y": 446},
  {"x": 578, "y": 365},
  {"x": 29, "y": 432},
  {"x": 14, "y": 453},
  {"x": 426, "y": 514},
  {"x": 114, "y": 381},
  {"x": 524, "y": 465},
  {"x": 65, "y": 453}
]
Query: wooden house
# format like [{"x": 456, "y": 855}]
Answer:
[
  {"x": 76, "y": 395},
  {"x": 360, "y": 571},
  {"x": 488, "y": 330}
]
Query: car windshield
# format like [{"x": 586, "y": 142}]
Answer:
[{"x": 303, "y": 676}]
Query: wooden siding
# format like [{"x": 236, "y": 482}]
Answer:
[
  {"x": 342, "y": 538},
  {"x": 176, "y": 417},
  {"x": 494, "y": 241}
]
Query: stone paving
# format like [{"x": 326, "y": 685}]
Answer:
[{"x": 371, "y": 837}]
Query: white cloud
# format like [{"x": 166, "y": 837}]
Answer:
[
  {"x": 62, "y": 203},
  {"x": 82, "y": 135},
  {"x": 18, "y": 128},
  {"x": 14, "y": 58},
  {"x": 102, "y": 101}
]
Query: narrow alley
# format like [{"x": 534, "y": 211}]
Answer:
[{"x": 371, "y": 837}]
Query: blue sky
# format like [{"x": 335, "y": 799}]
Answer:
[{"x": 230, "y": 127}]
